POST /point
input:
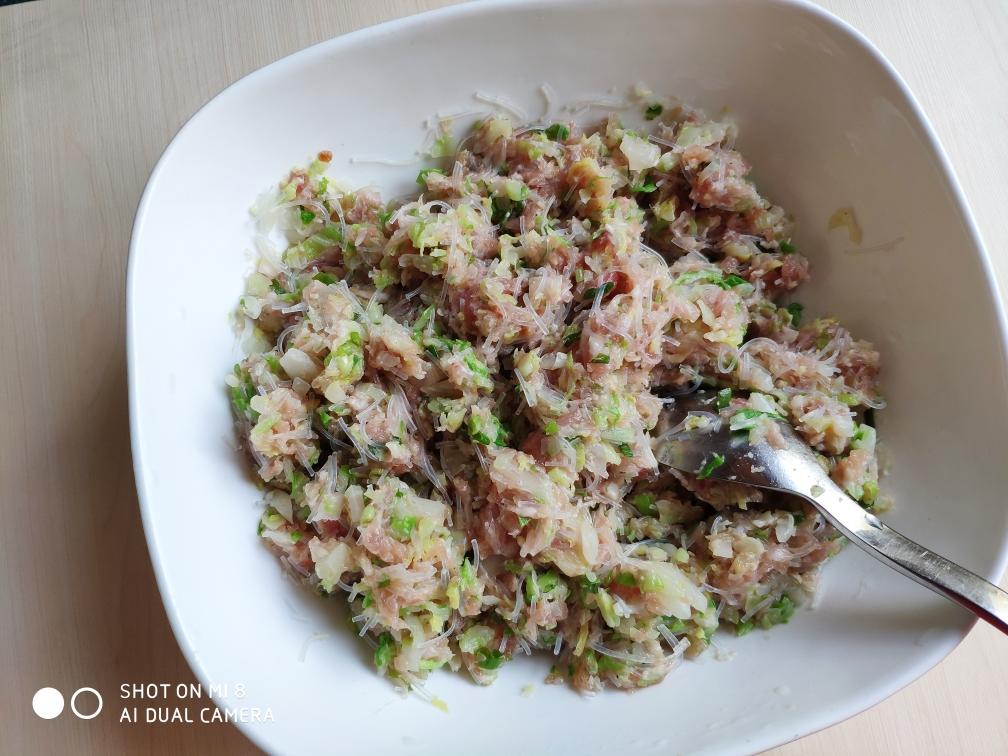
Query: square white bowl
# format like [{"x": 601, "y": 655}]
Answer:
[{"x": 825, "y": 120}]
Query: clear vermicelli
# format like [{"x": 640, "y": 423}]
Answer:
[{"x": 452, "y": 400}]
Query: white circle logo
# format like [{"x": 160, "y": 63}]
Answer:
[
  {"x": 73, "y": 703},
  {"x": 48, "y": 703}
]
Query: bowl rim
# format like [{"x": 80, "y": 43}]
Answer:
[{"x": 839, "y": 713}]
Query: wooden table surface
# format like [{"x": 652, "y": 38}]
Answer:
[{"x": 90, "y": 93}]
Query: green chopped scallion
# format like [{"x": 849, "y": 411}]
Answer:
[
  {"x": 571, "y": 334},
  {"x": 488, "y": 659},
  {"x": 386, "y": 648},
  {"x": 626, "y": 579},
  {"x": 674, "y": 624},
  {"x": 779, "y": 612},
  {"x": 645, "y": 504},
  {"x": 795, "y": 310},
  {"x": 402, "y": 527},
  {"x": 606, "y": 288},
  {"x": 558, "y": 132},
  {"x": 421, "y": 178},
  {"x": 326, "y": 278},
  {"x": 724, "y": 398},
  {"x": 711, "y": 465},
  {"x": 297, "y": 482}
]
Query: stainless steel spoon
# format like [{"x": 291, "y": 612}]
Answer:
[{"x": 794, "y": 469}]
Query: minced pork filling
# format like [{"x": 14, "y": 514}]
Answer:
[{"x": 451, "y": 399}]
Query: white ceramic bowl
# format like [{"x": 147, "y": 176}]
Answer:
[{"x": 826, "y": 121}]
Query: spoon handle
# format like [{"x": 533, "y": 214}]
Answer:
[{"x": 934, "y": 571}]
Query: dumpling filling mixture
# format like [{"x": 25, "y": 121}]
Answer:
[{"x": 451, "y": 401}]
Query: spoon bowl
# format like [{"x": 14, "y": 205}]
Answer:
[{"x": 702, "y": 442}]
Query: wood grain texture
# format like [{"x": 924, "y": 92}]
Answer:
[{"x": 90, "y": 93}]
